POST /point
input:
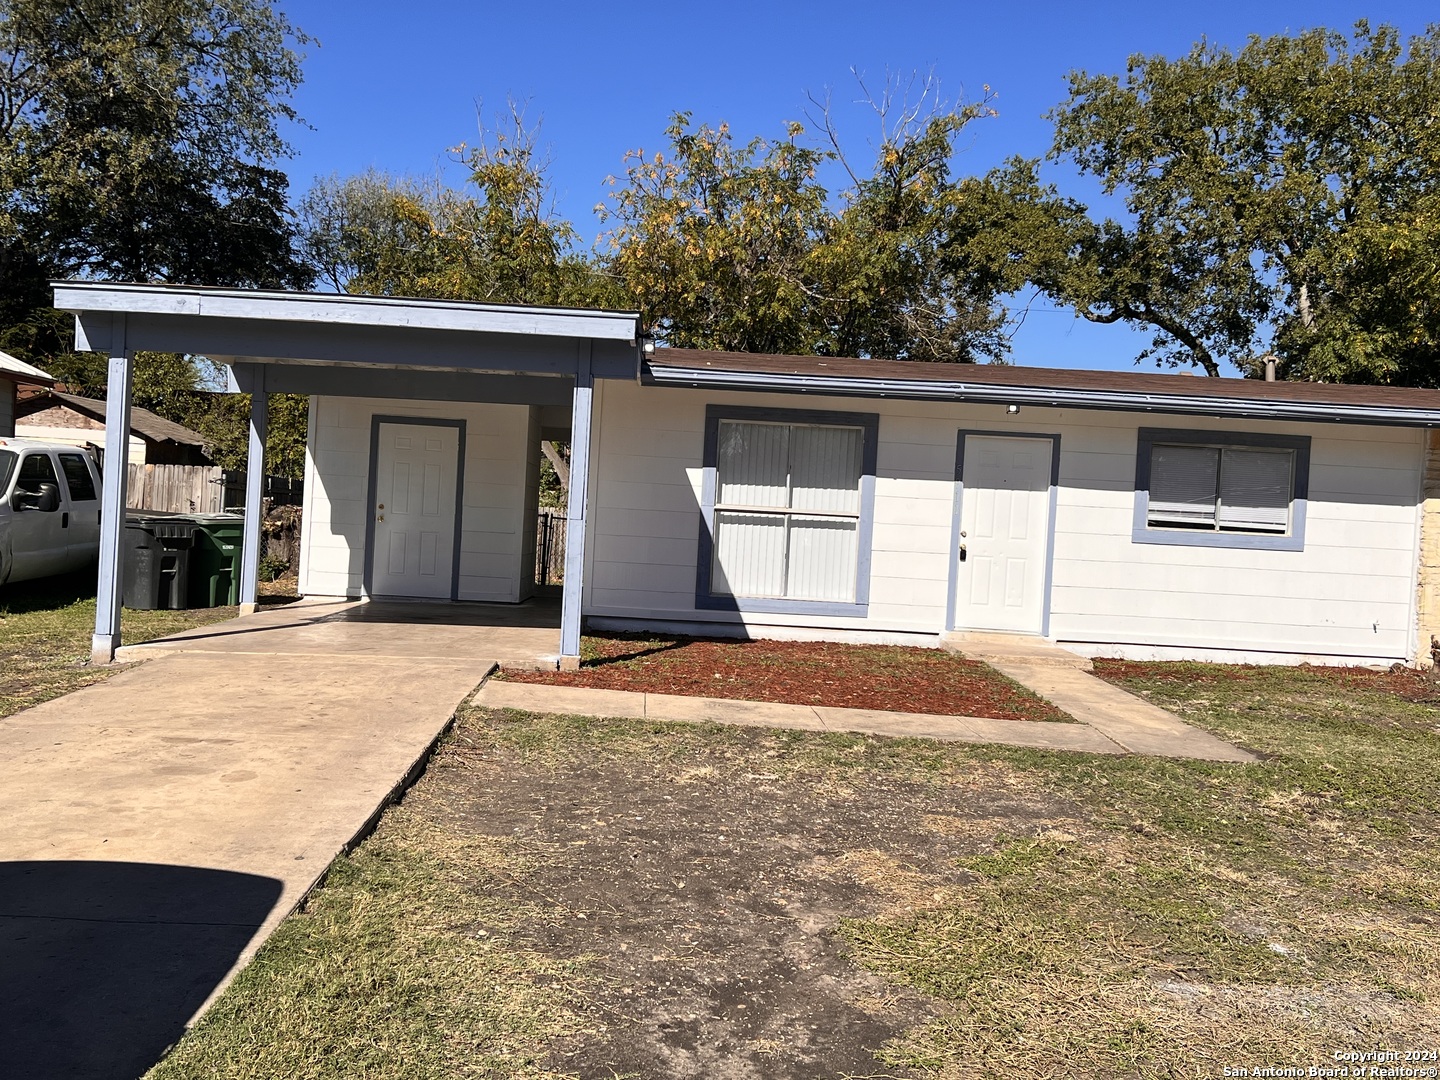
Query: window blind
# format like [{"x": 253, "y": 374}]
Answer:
[
  {"x": 787, "y": 505},
  {"x": 1183, "y": 482},
  {"x": 1255, "y": 488},
  {"x": 1231, "y": 488}
]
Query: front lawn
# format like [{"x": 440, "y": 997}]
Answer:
[
  {"x": 561, "y": 896},
  {"x": 824, "y": 673},
  {"x": 45, "y": 629}
]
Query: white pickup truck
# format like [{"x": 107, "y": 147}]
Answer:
[{"x": 49, "y": 509}]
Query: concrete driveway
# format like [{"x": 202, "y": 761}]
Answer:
[{"x": 159, "y": 825}]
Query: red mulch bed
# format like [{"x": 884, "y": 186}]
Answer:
[{"x": 800, "y": 673}]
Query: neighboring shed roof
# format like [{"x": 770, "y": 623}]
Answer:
[
  {"x": 1056, "y": 387},
  {"x": 19, "y": 371},
  {"x": 143, "y": 423}
]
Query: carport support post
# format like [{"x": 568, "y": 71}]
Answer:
[
  {"x": 109, "y": 586},
  {"x": 570, "y": 614},
  {"x": 254, "y": 495}
]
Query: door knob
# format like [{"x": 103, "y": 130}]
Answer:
[
  {"x": 962, "y": 552},
  {"x": 380, "y": 518}
]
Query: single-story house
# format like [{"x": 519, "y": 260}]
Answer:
[
  {"x": 1117, "y": 513},
  {"x": 62, "y": 417},
  {"x": 15, "y": 373}
]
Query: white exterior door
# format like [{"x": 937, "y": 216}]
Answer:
[
  {"x": 1004, "y": 534},
  {"x": 415, "y": 474}
]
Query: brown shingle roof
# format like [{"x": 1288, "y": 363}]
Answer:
[
  {"x": 1150, "y": 391},
  {"x": 143, "y": 422}
]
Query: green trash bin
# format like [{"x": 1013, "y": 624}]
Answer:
[{"x": 215, "y": 559}]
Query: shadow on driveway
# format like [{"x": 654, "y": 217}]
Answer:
[{"x": 102, "y": 963}]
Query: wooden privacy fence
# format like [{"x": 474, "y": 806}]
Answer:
[{"x": 180, "y": 489}]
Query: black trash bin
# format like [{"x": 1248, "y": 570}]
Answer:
[{"x": 157, "y": 560}]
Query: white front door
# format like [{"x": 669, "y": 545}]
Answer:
[
  {"x": 1004, "y": 534},
  {"x": 415, "y": 474}
]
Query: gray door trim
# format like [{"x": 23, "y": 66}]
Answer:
[
  {"x": 954, "y": 575},
  {"x": 376, "y": 419}
]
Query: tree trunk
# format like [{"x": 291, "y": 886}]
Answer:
[
  {"x": 1307, "y": 316},
  {"x": 558, "y": 463}
]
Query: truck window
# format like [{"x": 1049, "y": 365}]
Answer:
[
  {"x": 77, "y": 476},
  {"x": 7, "y": 466},
  {"x": 36, "y": 469}
]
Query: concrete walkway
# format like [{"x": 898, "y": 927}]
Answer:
[
  {"x": 537, "y": 697},
  {"x": 159, "y": 825},
  {"x": 1109, "y": 720},
  {"x": 1064, "y": 679}
]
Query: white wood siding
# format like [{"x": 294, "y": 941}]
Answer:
[
  {"x": 493, "y": 510},
  {"x": 1348, "y": 594}
]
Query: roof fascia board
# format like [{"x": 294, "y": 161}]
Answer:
[
  {"x": 371, "y": 382},
  {"x": 94, "y": 297},
  {"x": 1112, "y": 401},
  {"x": 384, "y": 346}
]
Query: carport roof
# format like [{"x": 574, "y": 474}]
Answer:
[{"x": 82, "y": 297}]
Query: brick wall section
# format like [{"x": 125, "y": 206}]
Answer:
[
  {"x": 61, "y": 417},
  {"x": 1428, "y": 607}
]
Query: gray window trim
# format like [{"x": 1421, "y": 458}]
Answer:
[
  {"x": 376, "y": 419},
  {"x": 869, "y": 423},
  {"x": 1144, "y": 533}
]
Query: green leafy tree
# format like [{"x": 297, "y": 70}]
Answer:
[
  {"x": 1281, "y": 200},
  {"x": 741, "y": 247},
  {"x": 713, "y": 241},
  {"x": 498, "y": 240},
  {"x": 139, "y": 140},
  {"x": 892, "y": 290}
]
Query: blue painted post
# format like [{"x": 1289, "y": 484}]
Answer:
[
  {"x": 570, "y": 603},
  {"x": 109, "y": 586},
  {"x": 254, "y": 494}
]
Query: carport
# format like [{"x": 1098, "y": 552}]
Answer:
[{"x": 402, "y": 350}]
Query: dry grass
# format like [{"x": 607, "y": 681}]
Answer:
[
  {"x": 45, "y": 629},
  {"x": 1097, "y": 917},
  {"x": 401, "y": 967},
  {"x": 1195, "y": 916}
]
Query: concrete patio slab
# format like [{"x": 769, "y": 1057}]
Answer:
[{"x": 519, "y": 633}]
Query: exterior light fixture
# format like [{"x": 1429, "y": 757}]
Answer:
[{"x": 1013, "y": 410}]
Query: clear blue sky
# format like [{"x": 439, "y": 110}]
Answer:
[{"x": 394, "y": 85}]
